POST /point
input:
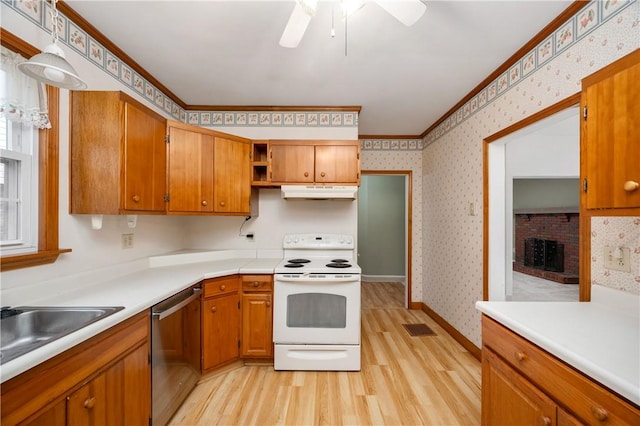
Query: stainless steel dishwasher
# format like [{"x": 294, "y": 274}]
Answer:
[{"x": 175, "y": 352}]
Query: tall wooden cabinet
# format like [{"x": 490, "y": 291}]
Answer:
[
  {"x": 117, "y": 153},
  {"x": 189, "y": 169},
  {"x": 231, "y": 175},
  {"x": 220, "y": 321},
  {"x": 257, "y": 316},
  {"x": 208, "y": 172},
  {"x": 610, "y": 135}
]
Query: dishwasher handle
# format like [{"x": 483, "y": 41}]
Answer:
[{"x": 175, "y": 308}]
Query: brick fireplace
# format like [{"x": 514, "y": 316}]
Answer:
[{"x": 553, "y": 236}]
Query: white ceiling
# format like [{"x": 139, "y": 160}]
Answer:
[{"x": 405, "y": 78}]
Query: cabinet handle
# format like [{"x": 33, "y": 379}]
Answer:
[
  {"x": 520, "y": 356},
  {"x": 204, "y": 203},
  {"x": 268, "y": 303},
  {"x": 631, "y": 186},
  {"x": 599, "y": 413},
  {"x": 135, "y": 198},
  {"x": 323, "y": 174},
  {"x": 89, "y": 403},
  {"x": 223, "y": 287},
  {"x": 256, "y": 284},
  {"x": 221, "y": 203},
  {"x": 545, "y": 421},
  {"x": 214, "y": 309},
  {"x": 306, "y": 174}
]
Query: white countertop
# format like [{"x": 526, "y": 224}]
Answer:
[
  {"x": 600, "y": 338},
  {"x": 137, "y": 291}
]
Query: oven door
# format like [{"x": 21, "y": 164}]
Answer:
[{"x": 316, "y": 309}]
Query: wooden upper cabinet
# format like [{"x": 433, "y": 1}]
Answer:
[
  {"x": 337, "y": 164},
  {"x": 190, "y": 169},
  {"x": 292, "y": 163},
  {"x": 610, "y": 135},
  {"x": 315, "y": 161},
  {"x": 118, "y": 155},
  {"x": 232, "y": 175}
]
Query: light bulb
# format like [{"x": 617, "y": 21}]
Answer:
[{"x": 53, "y": 74}]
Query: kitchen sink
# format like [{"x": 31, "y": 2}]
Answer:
[{"x": 25, "y": 328}]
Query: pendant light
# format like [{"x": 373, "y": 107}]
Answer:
[{"x": 50, "y": 66}]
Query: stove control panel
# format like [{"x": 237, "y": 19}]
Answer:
[{"x": 318, "y": 241}]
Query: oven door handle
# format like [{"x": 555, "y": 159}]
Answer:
[
  {"x": 175, "y": 308},
  {"x": 313, "y": 278}
]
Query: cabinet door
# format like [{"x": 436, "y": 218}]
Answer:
[
  {"x": 145, "y": 155},
  {"x": 337, "y": 164},
  {"x": 232, "y": 176},
  {"x": 118, "y": 396},
  {"x": 54, "y": 416},
  {"x": 611, "y": 135},
  {"x": 190, "y": 170},
  {"x": 220, "y": 330},
  {"x": 292, "y": 163},
  {"x": 257, "y": 325},
  {"x": 510, "y": 399}
]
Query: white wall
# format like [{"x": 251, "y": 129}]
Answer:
[{"x": 276, "y": 218}]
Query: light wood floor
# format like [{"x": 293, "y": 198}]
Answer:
[{"x": 429, "y": 380}]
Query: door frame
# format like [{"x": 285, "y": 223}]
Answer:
[
  {"x": 568, "y": 102},
  {"x": 408, "y": 175}
]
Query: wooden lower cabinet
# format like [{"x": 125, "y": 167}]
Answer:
[
  {"x": 524, "y": 385},
  {"x": 257, "y": 316},
  {"x": 103, "y": 381},
  {"x": 220, "y": 321}
]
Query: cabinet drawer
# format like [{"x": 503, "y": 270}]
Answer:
[
  {"x": 581, "y": 396},
  {"x": 218, "y": 286},
  {"x": 257, "y": 283}
]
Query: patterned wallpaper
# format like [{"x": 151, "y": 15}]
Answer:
[
  {"x": 615, "y": 232},
  {"x": 452, "y": 160}
]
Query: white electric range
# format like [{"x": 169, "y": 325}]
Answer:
[{"x": 316, "y": 319}]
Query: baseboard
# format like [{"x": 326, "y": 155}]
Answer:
[
  {"x": 383, "y": 278},
  {"x": 457, "y": 336}
]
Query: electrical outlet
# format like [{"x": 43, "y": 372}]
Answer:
[
  {"x": 127, "y": 241},
  {"x": 617, "y": 258},
  {"x": 472, "y": 209}
]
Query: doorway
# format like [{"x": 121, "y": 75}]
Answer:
[
  {"x": 544, "y": 146},
  {"x": 384, "y": 231}
]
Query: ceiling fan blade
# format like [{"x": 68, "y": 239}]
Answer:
[
  {"x": 296, "y": 27},
  {"x": 406, "y": 11}
]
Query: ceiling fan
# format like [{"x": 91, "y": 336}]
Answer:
[{"x": 406, "y": 11}]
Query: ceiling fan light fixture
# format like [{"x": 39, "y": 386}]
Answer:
[
  {"x": 298, "y": 22},
  {"x": 407, "y": 12},
  {"x": 349, "y": 7}
]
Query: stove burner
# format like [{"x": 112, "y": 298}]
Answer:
[
  {"x": 294, "y": 265},
  {"x": 299, "y": 261},
  {"x": 339, "y": 261},
  {"x": 338, "y": 265}
]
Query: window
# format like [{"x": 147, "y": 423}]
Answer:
[
  {"x": 46, "y": 170},
  {"x": 18, "y": 186}
]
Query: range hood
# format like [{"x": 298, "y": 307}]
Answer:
[{"x": 319, "y": 192}]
